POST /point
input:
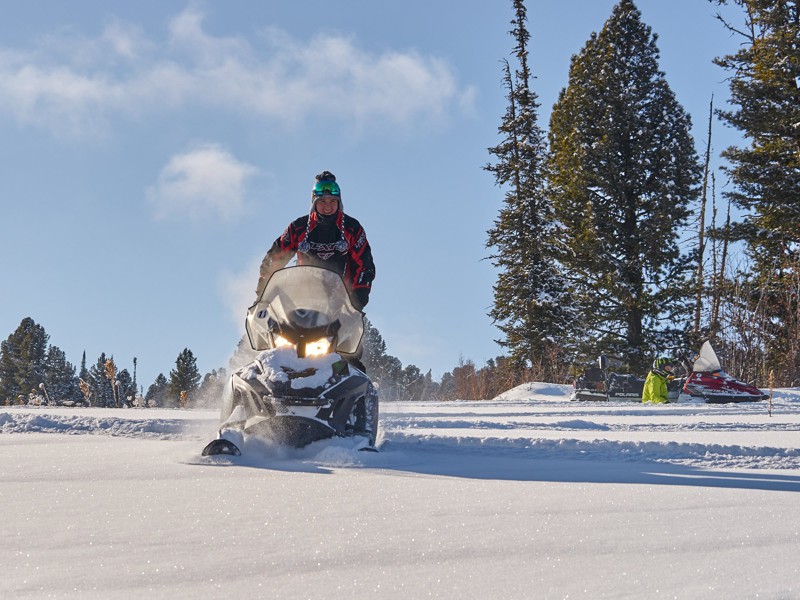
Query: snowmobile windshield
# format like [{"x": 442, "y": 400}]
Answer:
[
  {"x": 706, "y": 360},
  {"x": 308, "y": 297}
]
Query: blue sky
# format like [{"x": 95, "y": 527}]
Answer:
[{"x": 152, "y": 151}]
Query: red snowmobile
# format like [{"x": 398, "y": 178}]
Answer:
[{"x": 707, "y": 382}]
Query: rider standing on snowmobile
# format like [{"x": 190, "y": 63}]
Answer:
[
  {"x": 327, "y": 238},
  {"x": 655, "y": 386}
]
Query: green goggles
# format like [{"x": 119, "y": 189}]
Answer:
[{"x": 326, "y": 188}]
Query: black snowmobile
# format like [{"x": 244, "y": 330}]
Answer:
[
  {"x": 599, "y": 383},
  {"x": 307, "y": 383}
]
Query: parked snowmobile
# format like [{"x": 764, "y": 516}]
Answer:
[
  {"x": 597, "y": 383},
  {"x": 303, "y": 386},
  {"x": 707, "y": 382}
]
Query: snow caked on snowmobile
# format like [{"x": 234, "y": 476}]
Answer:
[
  {"x": 303, "y": 386},
  {"x": 707, "y": 382}
]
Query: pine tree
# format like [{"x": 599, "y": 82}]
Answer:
[
  {"x": 22, "y": 360},
  {"x": 765, "y": 94},
  {"x": 126, "y": 388},
  {"x": 60, "y": 379},
  {"x": 416, "y": 386},
  {"x": 157, "y": 392},
  {"x": 102, "y": 392},
  {"x": 212, "y": 389},
  {"x": 185, "y": 377},
  {"x": 623, "y": 171},
  {"x": 386, "y": 371},
  {"x": 530, "y": 307},
  {"x": 447, "y": 388}
]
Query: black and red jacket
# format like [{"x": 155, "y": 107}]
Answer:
[{"x": 337, "y": 243}]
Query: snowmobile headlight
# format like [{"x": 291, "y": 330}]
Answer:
[
  {"x": 318, "y": 347},
  {"x": 281, "y": 341}
]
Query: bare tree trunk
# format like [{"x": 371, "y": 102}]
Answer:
[
  {"x": 720, "y": 276},
  {"x": 701, "y": 228}
]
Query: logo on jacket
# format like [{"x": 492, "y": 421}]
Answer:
[{"x": 324, "y": 251}]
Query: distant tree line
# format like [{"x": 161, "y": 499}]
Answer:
[{"x": 34, "y": 372}]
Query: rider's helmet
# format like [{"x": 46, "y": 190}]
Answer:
[{"x": 661, "y": 363}]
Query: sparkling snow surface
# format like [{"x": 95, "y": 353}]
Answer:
[{"x": 525, "y": 496}]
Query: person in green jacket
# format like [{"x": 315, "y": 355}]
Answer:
[{"x": 655, "y": 386}]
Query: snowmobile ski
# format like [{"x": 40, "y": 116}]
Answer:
[{"x": 221, "y": 446}]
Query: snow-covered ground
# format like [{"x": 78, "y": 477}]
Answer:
[{"x": 526, "y": 496}]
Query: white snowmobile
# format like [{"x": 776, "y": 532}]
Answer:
[{"x": 306, "y": 384}]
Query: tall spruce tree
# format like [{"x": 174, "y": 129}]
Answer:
[
  {"x": 185, "y": 377},
  {"x": 765, "y": 95},
  {"x": 102, "y": 390},
  {"x": 84, "y": 372},
  {"x": 60, "y": 379},
  {"x": 623, "y": 171},
  {"x": 126, "y": 388},
  {"x": 529, "y": 307},
  {"x": 22, "y": 360},
  {"x": 157, "y": 392}
]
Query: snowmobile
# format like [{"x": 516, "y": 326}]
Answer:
[
  {"x": 306, "y": 383},
  {"x": 597, "y": 383},
  {"x": 707, "y": 382}
]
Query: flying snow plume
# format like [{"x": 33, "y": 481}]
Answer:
[
  {"x": 238, "y": 289},
  {"x": 205, "y": 183}
]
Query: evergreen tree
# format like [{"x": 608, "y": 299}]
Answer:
[
  {"x": 22, "y": 361},
  {"x": 766, "y": 99},
  {"x": 84, "y": 372},
  {"x": 212, "y": 389},
  {"x": 185, "y": 377},
  {"x": 60, "y": 379},
  {"x": 133, "y": 383},
  {"x": 126, "y": 388},
  {"x": 623, "y": 171},
  {"x": 386, "y": 371},
  {"x": 530, "y": 306},
  {"x": 447, "y": 387},
  {"x": 414, "y": 384},
  {"x": 102, "y": 392},
  {"x": 157, "y": 392},
  {"x": 765, "y": 94}
]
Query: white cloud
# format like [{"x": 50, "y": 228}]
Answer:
[
  {"x": 75, "y": 85},
  {"x": 205, "y": 183}
]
